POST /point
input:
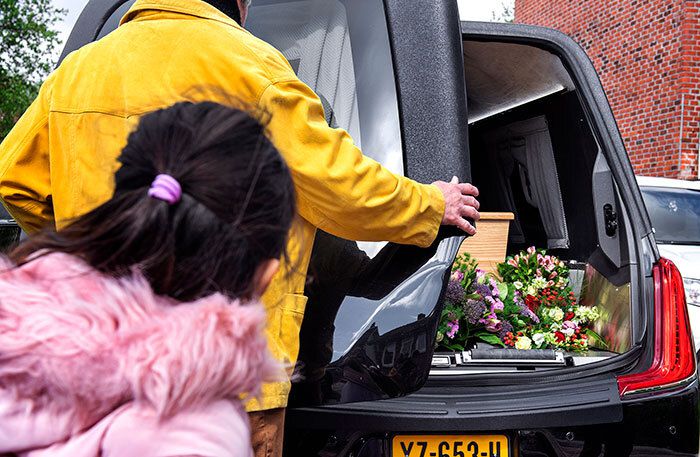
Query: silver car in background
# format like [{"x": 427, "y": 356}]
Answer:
[{"x": 674, "y": 209}]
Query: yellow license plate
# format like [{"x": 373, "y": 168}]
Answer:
[{"x": 450, "y": 446}]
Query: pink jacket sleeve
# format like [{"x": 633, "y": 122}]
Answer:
[
  {"x": 219, "y": 429},
  {"x": 22, "y": 429}
]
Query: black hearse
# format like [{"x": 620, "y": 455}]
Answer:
[{"x": 521, "y": 112}]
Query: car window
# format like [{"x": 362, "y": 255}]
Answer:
[
  {"x": 341, "y": 50},
  {"x": 372, "y": 306},
  {"x": 675, "y": 214}
]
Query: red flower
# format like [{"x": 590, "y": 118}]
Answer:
[
  {"x": 560, "y": 337},
  {"x": 569, "y": 316},
  {"x": 532, "y": 303}
]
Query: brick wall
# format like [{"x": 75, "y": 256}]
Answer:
[{"x": 647, "y": 54}]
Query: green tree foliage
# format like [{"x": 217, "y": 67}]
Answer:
[{"x": 27, "y": 41}]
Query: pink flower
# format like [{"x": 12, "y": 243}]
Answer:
[
  {"x": 531, "y": 250},
  {"x": 568, "y": 328},
  {"x": 457, "y": 275},
  {"x": 453, "y": 329},
  {"x": 493, "y": 324},
  {"x": 512, "y": 263},
  {"x": 498, "y": 305},
  {"x": 553, "y": 275},
  {"x": 539, "y": 273},
  {"x": 494, "y": 287}
]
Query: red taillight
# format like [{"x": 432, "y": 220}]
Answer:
[{"x": 674, "y": 355}]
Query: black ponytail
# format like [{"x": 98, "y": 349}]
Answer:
[{"x": 236, "y": 209}]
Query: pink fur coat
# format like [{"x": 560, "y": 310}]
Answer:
[{"x": 93, "y": 366}]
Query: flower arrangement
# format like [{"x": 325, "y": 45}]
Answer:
[{"x": 528, "y": 305}]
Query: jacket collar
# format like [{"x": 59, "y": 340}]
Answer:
[
  {"x": 77, "y": 343},
  {"x": 195, "y": 8}
]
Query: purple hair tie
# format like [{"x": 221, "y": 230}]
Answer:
[{"x": 165, "y": 188}]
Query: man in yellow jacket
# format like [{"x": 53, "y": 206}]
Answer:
[{"x": 59, "y": 160}]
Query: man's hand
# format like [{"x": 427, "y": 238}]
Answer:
[{"x": 460, "y": 203}]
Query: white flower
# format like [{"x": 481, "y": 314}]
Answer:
[
  {"x": 538, "y": 339},
  {"x": 523, "y": 342},
  {"x": 587, "y": 313},
  {"x": 518, "y": 285},
  {"x": 530, "y": 290},
  {"x": 549, "y": 338},
  {"x": 539, "y": 283},
  {"x": 556, "y": 314}
]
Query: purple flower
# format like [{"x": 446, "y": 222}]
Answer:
[
  {"x": 480, "y": 273},
  {"x": 474, "y": 310},
  {"x": 494, "y": 288},
  {"x": 453, "y": 329},
  {"x": 518, "y": 300},
  {"x": 497, "y": 305},
  {"x": 527, "y": 312},
  {"x": 454, "y": 293},
  {"x": 494, "y": 304},
  {"x": 494, "y": 325},
  {"x": 482, "y": 289},
  {"x": 505, "y": 328},
  {"x": 457, "y": 275}
]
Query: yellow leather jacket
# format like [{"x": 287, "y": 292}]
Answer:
[{"x": 59, "y": 160}]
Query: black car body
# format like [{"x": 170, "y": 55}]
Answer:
[{"x": 520, "y": 111}]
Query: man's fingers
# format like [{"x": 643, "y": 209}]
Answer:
[
  {"x": 460, "y": 204},
  {"x": 470, "y": 201},
  {"x": 466, "y": 226},
  {"x": 470, "y": 212},
  {"x": 468, "y": 189}
]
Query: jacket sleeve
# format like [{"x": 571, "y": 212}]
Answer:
[
  {"x": 23, "y": 426},
  {"x": 25, "y": 183},
  {"x": 218, "y": 429},
  {"x": 340, "y": 190}
]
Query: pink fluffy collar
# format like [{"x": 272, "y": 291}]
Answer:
[{"x": 72, "y": 339}]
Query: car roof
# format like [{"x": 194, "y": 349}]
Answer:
[{"x": 649, "y": 181}]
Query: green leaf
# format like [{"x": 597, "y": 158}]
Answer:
[
  {"x": 597, "y": 338},
  {"x": 490, "y": 338},
  {"x": 502, "y": 289},
  {"x": 452, "y": 346}
]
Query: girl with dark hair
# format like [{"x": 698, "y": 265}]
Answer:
[{"x": 135, "y": 330}]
